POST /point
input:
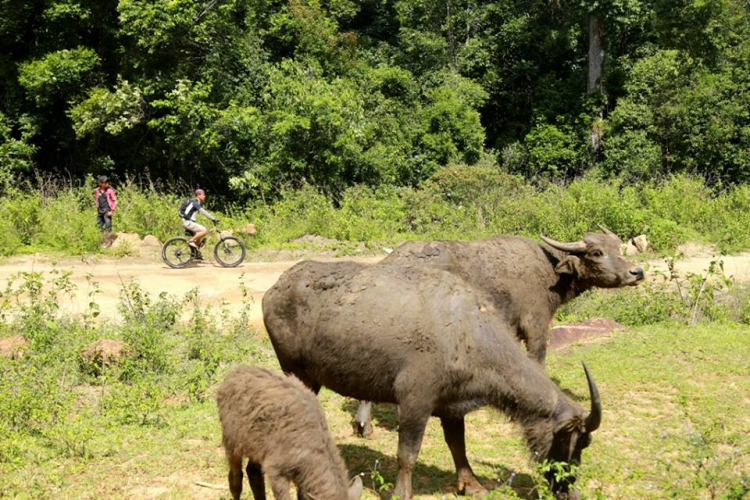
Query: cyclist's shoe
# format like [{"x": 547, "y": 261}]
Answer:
[
  {"x": 193, "y": 245},
  {"x": 198, "y": 256}
]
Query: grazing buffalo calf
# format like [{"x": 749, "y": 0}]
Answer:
[
  {"x": 276, "y": 422},
  {"x": 424, "y": 339}
]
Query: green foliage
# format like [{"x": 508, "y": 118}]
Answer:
[
  {"x": 15, "y": 154},
  {"x": 552, "y": 152},
  {"x": 112, "y": 112},
  {"x": 56, "y": 415},
  {"x": 56, "y": 72},
  {"x": 249, "y": 96},
  {"x": 680, "y": 116},
  {"x": 676, "y": 298},
  {"x": 64, "y": 219},
  {"x": 456, "y": 202},
  {"x": 48, "y": 396},
  {"x": 453, "y": 129}
]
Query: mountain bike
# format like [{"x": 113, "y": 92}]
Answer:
[{"x": 229, "y": 251}]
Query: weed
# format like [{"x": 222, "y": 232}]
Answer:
[
  {"x": 379, "y": 484},
  {"x": 691, "y": 298}
]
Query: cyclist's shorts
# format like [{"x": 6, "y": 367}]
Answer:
[{"x": 192, "y": 226}]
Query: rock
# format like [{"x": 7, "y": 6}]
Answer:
[
  {"x": 629, "y": 248},
  {"x": 641, "y": 243},
  {"x": 104, "y": 352},
  {"x": 130, "y": 240},
  {"x": 562, "y": 335},
  {"x": 13, "y": 347},
  {"x": 227, "y": 234},
  {"x": 151, "y": 241},
  {"x": 248, "y": 229},
  {"x": 314, "y": 239}
]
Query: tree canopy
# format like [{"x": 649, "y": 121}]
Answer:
[{"x": 245, "y": 96}]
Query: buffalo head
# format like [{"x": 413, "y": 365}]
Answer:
[
  {"x": 561, "y": 441},
  {"x": 597, "y": 261}
]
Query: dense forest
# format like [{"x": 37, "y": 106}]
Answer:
[{"x": 248, "y": 96}]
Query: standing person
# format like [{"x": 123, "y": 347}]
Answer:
[
  {"x": 189, "y": 211},
  {"x": 106, "y": 204}
]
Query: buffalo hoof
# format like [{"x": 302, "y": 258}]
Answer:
[
  {"x": 363, "y": 430},
  {"x": 473, "y": 489}
]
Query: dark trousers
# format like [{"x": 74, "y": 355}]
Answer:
[{"x": 104, "y": 221}]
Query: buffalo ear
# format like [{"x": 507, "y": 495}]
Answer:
[{"x": 569, "y": 265}]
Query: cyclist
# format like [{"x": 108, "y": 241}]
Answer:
[{"x": 188, "y": 211}]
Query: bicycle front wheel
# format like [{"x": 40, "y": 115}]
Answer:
[
  {"x": 177, "y": 253},
  {"x": 230, "y": 251}
]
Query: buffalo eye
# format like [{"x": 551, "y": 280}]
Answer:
[{"x": 596, "y": 253}]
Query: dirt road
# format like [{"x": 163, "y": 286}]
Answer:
[{"x": 219, "y": 286}]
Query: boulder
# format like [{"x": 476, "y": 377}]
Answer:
[
  {"x": 227, "y": 234},
  {"x": 641, "y": 243},
  {"x": 562, "y": 335},
  {"x": 248, "y": 229},
  {"x": 130, "y": 240},
  {"x": 314, "y": 239},
  {"x": 104, "y": 352},
  {"x": 151, "y": 241},
  {"x": 629, "y": 248},
  {"x": 13, "y": 347}
]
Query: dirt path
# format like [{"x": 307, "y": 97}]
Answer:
[
  {"x": 217, "y": 286},
  {"x": 222, "y": 286}
]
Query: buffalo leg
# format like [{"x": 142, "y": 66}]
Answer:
[
  {"x": 257, "y": 484},
  {"x": 280, "y": 487},
  {"x": 412, "y": 424},
  {"x": 536, "y": 337},
  {"x": 454, "y": 432},
  {"x": 363, "y": 419},
  {"x": 235, "y": 475},
  {"x": 537, "y": 348}
]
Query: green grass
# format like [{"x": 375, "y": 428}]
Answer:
[
  {"x": 676, "y": 425},
  {"x": 458, "y": 202}
]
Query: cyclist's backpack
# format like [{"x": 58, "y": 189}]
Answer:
[{"x": 183, "y": 207}]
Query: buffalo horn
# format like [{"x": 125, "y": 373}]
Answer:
[
  {"x": 577, "y": 247},
  {"x": 595, "y": 417},
  {"x": 609, "y": 233}
]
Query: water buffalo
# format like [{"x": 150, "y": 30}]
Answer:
[
  {"x": 424, "y": 339},
  {"x": 277, "y": 424},
  {"x": 526, "y": 280}
]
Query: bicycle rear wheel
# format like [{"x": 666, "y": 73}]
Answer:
[
  {"x": 177, "y": 253},
  {"x": 230, "y": 251}
]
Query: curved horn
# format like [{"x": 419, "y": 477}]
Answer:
[
  {"x": 595, "y": 417},
  {"x": 606, "y": 231},
  {"x": 577, "y": 247}
]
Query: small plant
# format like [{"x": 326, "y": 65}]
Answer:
[
  {"x": 379, "y": 484},
  {"x": 137, "y": 402}
]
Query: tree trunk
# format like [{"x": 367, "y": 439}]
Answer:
[
  {"x": 596, "y": 54},
  {"x": 595, "y": 81}
]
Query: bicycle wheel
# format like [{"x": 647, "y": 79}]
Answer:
[
  {"x": 177, "y": 253},
  {"x": 230, "y": 251}
]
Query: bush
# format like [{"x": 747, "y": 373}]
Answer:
[{"x": 456, "y": 202}]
